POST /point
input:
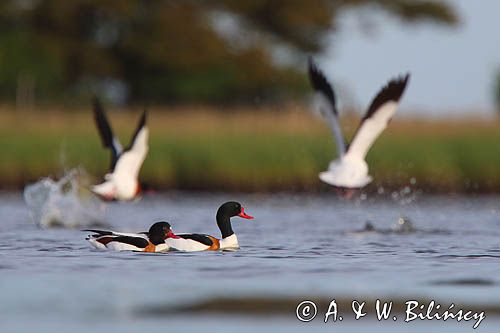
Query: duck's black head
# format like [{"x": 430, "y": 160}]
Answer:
[
  {"x": 159, "y": 232},
  {"x": 224, "y": 214}
]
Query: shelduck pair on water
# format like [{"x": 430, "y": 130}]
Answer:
[{"x": 161, "y": 238}]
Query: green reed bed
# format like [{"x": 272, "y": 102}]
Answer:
[{"x": 250, "y": 150}]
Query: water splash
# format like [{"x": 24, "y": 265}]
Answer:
[
  {"x": 403, "y": 226},
  {"x": 404, "y": 196},
  {"x": 407, "y": 195},
  {"x": 63, "y": 202}
]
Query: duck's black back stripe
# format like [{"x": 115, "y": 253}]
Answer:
[
  {"x": 204, "y": 239},
  {"x": 135, "y": 241}
]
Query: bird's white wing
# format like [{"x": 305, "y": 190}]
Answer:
[
  {"x": 130, "y": 162},
  {"x": 325, "y": 99},
  {"x": 377, "y": 117}
]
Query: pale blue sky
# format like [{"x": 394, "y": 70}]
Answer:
[{"x": 452, "y": 68}]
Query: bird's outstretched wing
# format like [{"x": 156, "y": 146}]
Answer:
[
  {"x": 106, "y": 133},
  {"x": 377, "y": 117},
  {"x": 325, "y": 97},
  {"x": 130, "y": 161},
  {"x": 140, "y": 126}
]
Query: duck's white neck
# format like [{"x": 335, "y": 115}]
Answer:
[{"x": 230, "y": 242}]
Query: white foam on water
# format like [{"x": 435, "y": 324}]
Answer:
[{"x": 63, "y": 203}]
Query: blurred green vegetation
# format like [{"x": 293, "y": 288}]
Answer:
[
  {"x": 496, "y": 91},
  {"x": 169, "y": 51},
  {"x": 251, "y": 151}
]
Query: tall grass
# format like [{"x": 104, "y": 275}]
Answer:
[{"x": 249, "y": 150}]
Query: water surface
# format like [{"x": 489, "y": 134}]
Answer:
[{"x": 297, "y": 247}]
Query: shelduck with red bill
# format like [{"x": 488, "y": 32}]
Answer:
[
  {"x": 151, "y": 241},
  {"x": 203, "y": 242}
]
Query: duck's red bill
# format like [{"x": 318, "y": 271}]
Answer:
[
  {"x": 244, "y": 215},
  {"x": 171, "y": 234}
]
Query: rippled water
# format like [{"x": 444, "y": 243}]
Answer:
[{"x": 297, "y": 247}]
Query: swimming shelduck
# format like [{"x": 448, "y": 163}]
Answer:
[
  {"x": 151, "y": 241},
  {"x": 122, "y": 182},
  {"x": 350, "y": 170},
  {"x": 202, "y": 242}
]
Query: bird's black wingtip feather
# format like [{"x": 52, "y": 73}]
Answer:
[
  {"x": 96, "y": 103},
  {"x": 310, "y": 63},
  {"x": 320, "y": 83},
  {"x": 315, "y": 75},
  {"x": 103, "y": 127},
  {"x": 396, "y": 87},
  {"x": 140, "y": 126},
  {"x": 142, "y": 121},
  {"x": 392, "y": 91},
  {"x": 402, "y": 80}
]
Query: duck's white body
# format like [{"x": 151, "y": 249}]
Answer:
[
  {"x": 186, "y": 245},
  {"x": 229, "y": 243},
  {"x": 190, "y": 245},
  {"x": 350, "y": 169}
]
